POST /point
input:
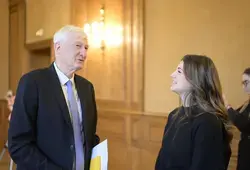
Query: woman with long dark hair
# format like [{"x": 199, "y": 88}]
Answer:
[
  {"x": 196, "y": 136},
  {"x": 241, "y": 119}
]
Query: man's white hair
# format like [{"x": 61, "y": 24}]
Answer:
[{"x": 61, "y": 33}]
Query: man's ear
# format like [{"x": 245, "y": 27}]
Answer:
[{"x": 57, "y": 47}]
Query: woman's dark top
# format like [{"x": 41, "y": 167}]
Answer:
[
  {"x": 242, "y": 122},
  {"x": 197, "y": 143}
]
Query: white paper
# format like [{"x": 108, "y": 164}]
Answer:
[{"x": 101, "y": 150}]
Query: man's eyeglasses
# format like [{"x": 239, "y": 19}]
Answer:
[{"x": 245, "y": 82}]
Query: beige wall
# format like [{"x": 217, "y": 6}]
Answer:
[
  {"x": 219, "y": 29},
  {"x": 4, "y": 44}
]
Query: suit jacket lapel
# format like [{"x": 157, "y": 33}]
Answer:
[{"x": 58, "y": 93}]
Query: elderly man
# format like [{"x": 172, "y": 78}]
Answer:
[{"x": 54, "y": 117}]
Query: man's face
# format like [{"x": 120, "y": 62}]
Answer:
[
  {"x": 72, "y": 51},
  {"x": 246, "y": 83}
]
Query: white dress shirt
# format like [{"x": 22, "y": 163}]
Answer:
[{"x": 63, "y": 80}]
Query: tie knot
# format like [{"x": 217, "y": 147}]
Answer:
[{"x": 68, "y": 83}]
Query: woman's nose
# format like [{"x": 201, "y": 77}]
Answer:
[{"x": 172, "y": 75}]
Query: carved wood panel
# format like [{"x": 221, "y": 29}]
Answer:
[
  {"x": 4, "y": 113},
  {"x": 44, "y": 18},
  {"x": 18, "y": 56},
  {"x": 116, "y": 72},
  {"x": 134, "y": 139}
]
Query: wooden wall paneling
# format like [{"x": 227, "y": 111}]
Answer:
[
  {"x": 39, "y": 45},
  {"x": 40, "y": 16},
  {"x": 52, "y": 52},
  {"x": 234, "y": 147},
  {"x": 152, "y": 141},
  {"x": 4, "y": 113},
  {"x": 117, "y": 73},
  {"x": 105, "y": 71},
  {"x": 14, "y": 60},
  {"x": 134, "y": 139},
  {"x": 18, "y": 55},
  {"x": 137, "y": 55},
  {"x": 114, "y": 128},
  {"x": 78, "y": 12},
  {"x": 14, "y": 2},
  {"x": 23, "y": 52},
  {"x": 57, "y": 18},
  {"x": 44, "y": 18},
  {"x": 35, "y": 19},
  {"x": 4, "y": 124},
  {"x": 147, "y": 136}
]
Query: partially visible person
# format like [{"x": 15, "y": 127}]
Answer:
[
  {"x": 241, "y": 119},
  {"x": 10, "y": 102},
  {"x": 196, "y": 136},
  {"x": 54, "y": 117}
]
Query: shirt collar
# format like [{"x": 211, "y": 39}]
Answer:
[{"x": 62, "y": 77}]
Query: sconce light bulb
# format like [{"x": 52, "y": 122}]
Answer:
[
  {"x": 102, "y": 11},
  {"x": 86, "y": 28},
  {"x": 39, "y": 33}
]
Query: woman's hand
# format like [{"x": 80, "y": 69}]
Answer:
[
  {"x": 10, "y": 102},
  {"x": 228, "y": 106}
]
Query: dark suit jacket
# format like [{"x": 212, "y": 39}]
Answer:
[{"x": 40, "y": 133}]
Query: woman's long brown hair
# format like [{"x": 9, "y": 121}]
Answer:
[{"x": 206, "y": 92}]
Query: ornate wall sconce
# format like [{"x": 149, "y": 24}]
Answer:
[{"x": 102, "y": 34}]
